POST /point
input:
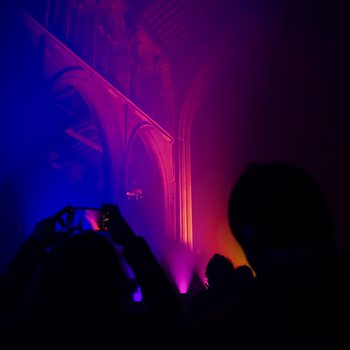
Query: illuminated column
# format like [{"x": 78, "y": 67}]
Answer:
[
  {"x": 195, "y": 94},
  {"x": 185, "y": 191}
]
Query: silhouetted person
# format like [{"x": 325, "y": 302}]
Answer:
[
  {"x": 85, "y": 295},
  {"x": 73, "y": 292},
  {"x": 219, "y": 272},
  {"x": 210, "y": 311},
  {"x": 281, "y": 219},
  {"x": 243, "y": 276}
]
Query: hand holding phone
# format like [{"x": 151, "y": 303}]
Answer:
[
  {"x": 82, "y": 219},
  {"x": 45, "y": 231},
  {"x": 119, "y": 230}
]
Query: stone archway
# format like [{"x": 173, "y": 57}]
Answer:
[
  {"x": 160, "y": 150},
  {"x": 199, "y": 91},
  {"x": 77, "y": 168},
  {"x": 194, "y": 96},
  {"x": 108, "y": 119},
  {"x": 119, "y": 125}
]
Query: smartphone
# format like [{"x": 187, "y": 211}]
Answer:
[{"x": 83, "y": 218}]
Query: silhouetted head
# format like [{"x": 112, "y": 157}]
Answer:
[
  {"x": 243, "y": 275},
  {"x": 219, "y": 271},
  {"x": 278, "y": 214},
  {"x": 83, "y": 274},
  {"x": 85, "y": 296}
]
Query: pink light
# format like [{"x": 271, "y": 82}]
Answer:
[
  {"x": 182, "y": 276},
  {"x": 180, "y": 264},
  {"x": 183, "y": 285}
]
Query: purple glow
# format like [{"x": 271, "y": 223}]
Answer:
[
  {"x": 137, "y": 296},
  {"x": 180, "y": 264},
  {"x": 183, "y": 279},
  {"x": 183, "y": 286}
]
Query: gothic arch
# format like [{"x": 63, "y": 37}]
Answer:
[
  {"x": 160, "y": 150},
  {"x": 196, "y": 92},
  {"x": 107, "y": 121}
]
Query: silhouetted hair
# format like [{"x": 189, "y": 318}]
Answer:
[
  {"x": 219, "y": 271},
  {"x": 243, "y": 274},
  {"x": 281, "y": 206},
  {"x": 85, "y": 297},
  {"x": 85, "y": 269}
]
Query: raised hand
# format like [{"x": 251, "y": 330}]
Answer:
[
  {"x": 119, "y": 230},
  {"x": 44, "y": 232}
]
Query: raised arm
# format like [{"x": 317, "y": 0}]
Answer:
[{"x": 160, "y": 297}]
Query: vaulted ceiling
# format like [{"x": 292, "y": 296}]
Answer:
[{"x": 180, "y": 26}]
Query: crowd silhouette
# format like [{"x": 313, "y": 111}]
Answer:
[{"x": 70, "y": 289}]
